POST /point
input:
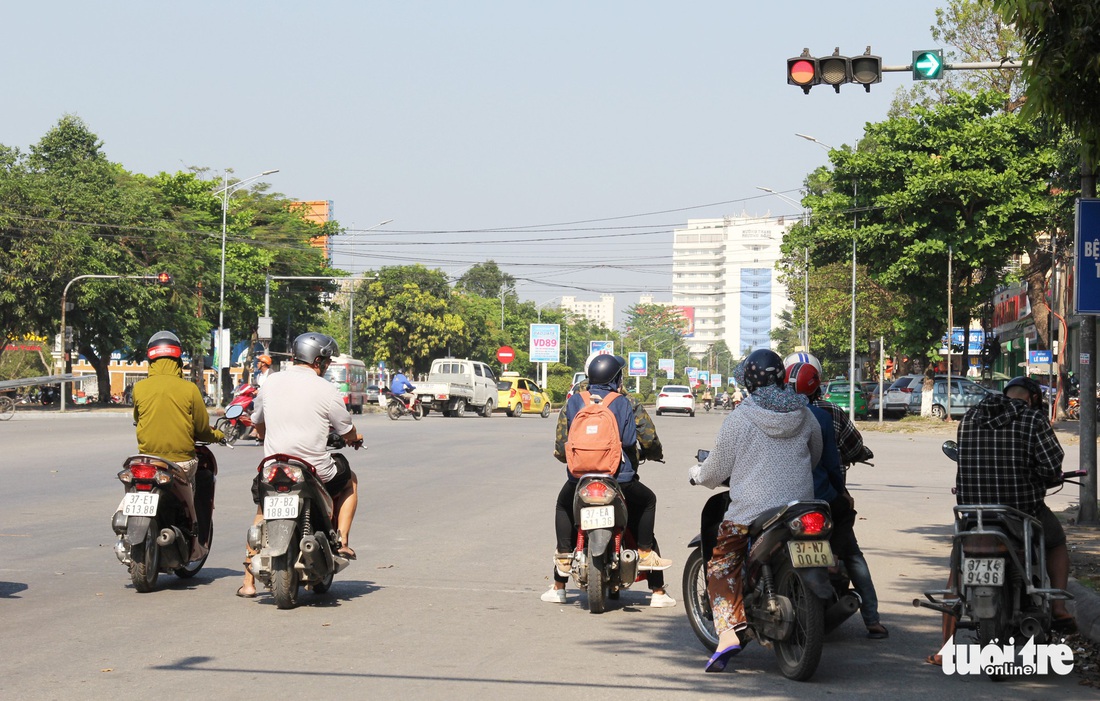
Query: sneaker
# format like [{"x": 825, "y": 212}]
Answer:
[
  {"x": 554, "y": 596},
  {"x": 661, "y": 601},
  {"x": 564, "y": 563},
  {"x": 652, "y": 561}
]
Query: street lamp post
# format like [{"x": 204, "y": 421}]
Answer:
[{"x": 225, "y": 191}]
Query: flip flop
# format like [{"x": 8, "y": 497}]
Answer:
[
  {"x": 720, "y": 659},
  {"x": 347, "y": 552},
  {"x": 934, "y": 660},
  {"x": 880, "y": 632},
  {"x": 240, "y": 593}
]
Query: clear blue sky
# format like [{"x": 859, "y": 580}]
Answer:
[{"x": 449, "y": 117}]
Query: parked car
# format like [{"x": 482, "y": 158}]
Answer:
[
  {"x": 873, "y": 402},
  {"x": 372, "y": 394},
  {"x": 897, "y": 395},
  {"x": 964, "y": 394},
  {"x": 518, "y": 395},
  {"x": 676, "y": 398},
  {"x": 838, "y": 391}
]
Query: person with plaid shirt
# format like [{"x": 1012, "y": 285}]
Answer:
[{"x": 1008, "y": 454}]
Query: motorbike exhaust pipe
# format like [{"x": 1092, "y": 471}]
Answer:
[
  {"x": 313, "y": 555},
  {"x": 118, "y": 523},
  {"x": 122, "y": 552},
  {"x": 1031, "y": 628},
  {"x": 167, "y": 537},
  {"x": 628, "y": 566},
  {"x": 839, "y": 611}
]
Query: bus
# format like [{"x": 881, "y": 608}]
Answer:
[{"x": 350, "y": 378}]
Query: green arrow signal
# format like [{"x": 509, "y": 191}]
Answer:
[{"x": 928, "y": 65}]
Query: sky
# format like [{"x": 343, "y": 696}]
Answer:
[{"x": 564, "y": 140}]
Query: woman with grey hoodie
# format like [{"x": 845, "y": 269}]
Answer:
[{"x": 767, "y": 450}]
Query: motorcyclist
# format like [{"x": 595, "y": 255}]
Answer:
[
  {"x": 708, "y": 397},
  {"x": 263, "y": 370},
  {"x": 849, "y": 441},
  {"x": 295, "y": 410},
  {"x": 169, "y": 411},
  {"x": 830, "y": 485},
  {"x": 639, "y": 440},
  {"x": 401, "y": 387},
  {"x": 767, "y": 450}
]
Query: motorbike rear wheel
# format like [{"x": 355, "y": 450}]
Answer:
[
  {"x": 144, "y": 573},
  {"x": 324, "y": 585},
  {"x": 697, "y": 601},
  {"x": 393, "y": 411},
  {"x": 284, "y": 577},
  {"x": 800, "y": 653},
  {"x": 597, "y": 587}
]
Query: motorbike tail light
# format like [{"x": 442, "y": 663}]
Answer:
[
  {"x": 126, "y": 477},
  {"x": 983, "y": 544},
  {"x": 294, "y": 474},
  {"x": 812, "y": 523},
  {"x": 143, "y": 471},
  {"x": 597, "y": 493},
  {"x": 163, "y": 477}
]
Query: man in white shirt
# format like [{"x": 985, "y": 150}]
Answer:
[{"x": 294, "y": 412}]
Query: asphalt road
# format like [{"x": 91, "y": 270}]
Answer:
[{"x": 454, "y": 535}]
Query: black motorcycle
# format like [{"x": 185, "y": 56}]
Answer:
[
  {"x": 396, "y": 406},
  {"x": 157, "y": 531},
  {"x": 999, "y": 585},
  {"x": 791, "y": 600},
  {"x": 297, "y": 541}
]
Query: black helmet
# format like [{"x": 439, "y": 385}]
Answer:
[
  {"x": 310, "y": 346},
  {"x": 163, "y": 344},
  {"x": 1034, "y": 390},
  {"x": 762, "y": 368},
  {"x": 605, "y": 370}
]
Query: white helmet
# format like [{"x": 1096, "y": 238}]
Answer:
[{"x": 802, "y": 358}]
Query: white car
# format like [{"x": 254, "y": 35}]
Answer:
[{"x": 676, "y": 398}]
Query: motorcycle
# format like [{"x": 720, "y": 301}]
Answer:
[
  {"x": 161, "y": 524},
  {"x": 999, "y": 585},
  {"x": 605, "y": 558},
  {"x": 396, "y": 406},
  {"x": 791, "y": 598},
  {"x": 297, "y": 540},
  {"x": 240, "y": 423},
  {"x": 707, "y": 404}
]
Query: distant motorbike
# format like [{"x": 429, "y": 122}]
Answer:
[
  {"x": 999, "y": 585},
  {"x": 396, "y": 406},
  {"x": 297, "y": 541},
  {"x": 707, "y": 404},
  {"x": 240, "y": 423},
  {"x": 157, "y": 530},
  {"x": 791, "y": 598}
]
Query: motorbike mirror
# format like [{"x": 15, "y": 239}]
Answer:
[
  {"x": 951, "y": 450},
  {"x": 234, "y": 411},
  {"x": 701, "y": 455}
]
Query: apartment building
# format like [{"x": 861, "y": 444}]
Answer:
[
  {"x": 726, "y": 270},
  {"x": 601, "y": 312}
]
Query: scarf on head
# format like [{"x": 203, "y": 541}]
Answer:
[{"x": 771, "y": 397}]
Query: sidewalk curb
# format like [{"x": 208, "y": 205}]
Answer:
[{"x": 1085, "y": 607}]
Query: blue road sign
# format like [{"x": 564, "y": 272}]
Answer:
[{"x": 1086, "y": 259}]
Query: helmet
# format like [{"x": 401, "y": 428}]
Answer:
[
  {"x": 803, "y": 358},
  {"x": 1034, "y": 390},
  {"x": 804, "y": 378},
  {"x": 163, "y": 344},
  {"x": 265, "y": 359},
  {"x": 605, "y": 369},
  {"x": 311, "y": 346},
  {"x": 762, "y": 368}
]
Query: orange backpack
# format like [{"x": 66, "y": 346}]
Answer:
[{"x": 594, "y": 444}]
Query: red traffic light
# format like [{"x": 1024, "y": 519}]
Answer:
[
  {"x": 802, "y": 71},
  {"x": 163, "y": 278}
]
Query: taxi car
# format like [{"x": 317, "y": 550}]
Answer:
[
  {"x": 516, "y": 395},
  {"x": 838, "y": 392}
]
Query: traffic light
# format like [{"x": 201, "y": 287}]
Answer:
[
  {"x": 802, "y": 71},
  {"x": 806, "y": 71},
  {"x": 928, "y": 64},
  {"x": 164, "y": 278}
]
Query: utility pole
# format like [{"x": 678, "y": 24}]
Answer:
[{"x": 1087, "y": 355}]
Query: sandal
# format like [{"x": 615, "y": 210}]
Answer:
[
  {"x": 877, "y": 632},
  {"x": 240, "y": 593},
  {"x": 345, "y": 551},
  {"x": 934, "y": 660}
]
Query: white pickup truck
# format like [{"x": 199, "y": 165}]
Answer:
[{"x": 455, "y": 384}]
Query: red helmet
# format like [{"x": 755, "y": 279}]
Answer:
[
  {"x": 804, "y": 378},
  {"x": 163, "y": 344}
]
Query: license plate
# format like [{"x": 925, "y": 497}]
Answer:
[
  {"x": 810, "y": 553},
  {"x": 280, "y": 507},
  {"x": 140, "y": 504},
  {"x": 984, "y": 571},
  {"x": 593, "y": 517}
]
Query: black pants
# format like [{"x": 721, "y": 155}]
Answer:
[{"x": 641, "y": 508}]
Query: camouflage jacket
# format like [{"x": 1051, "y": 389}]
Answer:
[{"x": 649, "y": 445}]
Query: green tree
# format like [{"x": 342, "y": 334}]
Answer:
[{"x": 486, "y": 280}]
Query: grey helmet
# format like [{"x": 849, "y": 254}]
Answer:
[
  {"x": 311, "y": 345},
  {"x": 163, "y": 344}
]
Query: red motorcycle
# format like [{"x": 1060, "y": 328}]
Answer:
[{"x": 234, "y": 424}]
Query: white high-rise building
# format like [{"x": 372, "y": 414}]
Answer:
[
  {"x": 725, "y": 271},
  {"x": 601, "y": 312}
]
